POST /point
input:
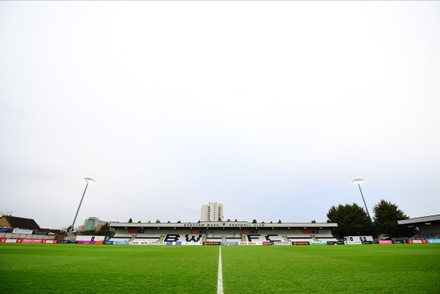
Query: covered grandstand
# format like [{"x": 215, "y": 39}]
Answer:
[
  {"x": 428, "y": 228},
  {"x": 222, "y": 233},
  {"x": 24, "y": 230}
]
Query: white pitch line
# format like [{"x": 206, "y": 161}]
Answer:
[{"x": 220, "y": 272}]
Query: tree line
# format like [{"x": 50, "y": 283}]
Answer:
[{"x": 352, "y": 220}]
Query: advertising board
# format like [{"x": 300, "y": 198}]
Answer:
[
  {"x": 22, "y": 231},
  {"x": 421, "y": 241},
  {"x": 300, "y": 243},
  {"x": 385, "y": 242}
]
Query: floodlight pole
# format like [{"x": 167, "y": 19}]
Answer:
[
  {"x": 358, "y": 182},
  {"x": 87, "y": 180}
]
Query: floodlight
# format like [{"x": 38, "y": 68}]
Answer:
[
  {"x": 87, "y": 180},
  {"x": 359, "y": 182}
]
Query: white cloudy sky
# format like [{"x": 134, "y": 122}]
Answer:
[{"x": 270, "y": 108}]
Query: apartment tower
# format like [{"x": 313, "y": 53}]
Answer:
[{"x": 212, "y": 212}]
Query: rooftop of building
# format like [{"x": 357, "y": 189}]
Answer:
[{"x": 21, "y": 222}]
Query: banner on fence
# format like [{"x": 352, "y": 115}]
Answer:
[
  {"x": 422, "y": 241},
  {"x": 385, "y": 242}
]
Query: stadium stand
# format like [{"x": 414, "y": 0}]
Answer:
[
  {"x": 230, "y": 233},
  {"x": 428, "y": 227},
  {"x": 26, "y": 230},
  {"x": 9, "y": 221}
]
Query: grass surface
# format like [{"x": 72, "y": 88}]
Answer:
[
  {"x": 332, "y": 269},
  {"x": 112, "y": 269},
  {"x": 193, "y": 269}
]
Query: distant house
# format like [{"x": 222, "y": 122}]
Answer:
[{"x": 18, "y": 222}]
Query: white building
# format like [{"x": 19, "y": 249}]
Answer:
[{"x": 212, "y": 211}]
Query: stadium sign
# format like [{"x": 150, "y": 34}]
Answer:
[{"x": 138, "y": 227}]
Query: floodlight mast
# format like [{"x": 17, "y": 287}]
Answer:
[
  {"x": 358, "y": 182},
  {"x": 87, "y": 180}
]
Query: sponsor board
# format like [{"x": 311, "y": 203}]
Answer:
[
  {"x": 229, "y": 243},
  {"x": 358, "y": 240},
  {"x": 385, "y": 242},
  {"x": 156, "y": 243},
  {"x": 301, "y": 243},
  {"x": 434, "y": 241},
  {"x": 121, "y": 242},
  {"x": 191, "y": 243},
  {"x": 209, "y": 243},
  {"x": 22, "y": 231},
  {"x": 137, "y": 242},
  {"x": 282, "y": 243},
  {"x": 90, "y": 238},
  {"x": 266, "y": 243},
  {"x": 31, "y": 241},
  {"x": 28, "y": 241},
  {"x": 249, "y": 243},
  {"x": 90, "y": 242},
  {"x": 318, "y": 243},
  {"x": 422, "y": 241}
]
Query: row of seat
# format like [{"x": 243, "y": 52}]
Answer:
[
  {"x": 26, "y": 236},
  {"x": 193, "y": 238}
]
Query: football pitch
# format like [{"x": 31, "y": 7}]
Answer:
[{"x": 194, "y": 269}]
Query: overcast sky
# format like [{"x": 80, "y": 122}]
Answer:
[{"x": 271, "y": 108}]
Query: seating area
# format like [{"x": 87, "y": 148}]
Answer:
[
  {"x": 191, "y": 236},
  {"x": 27, "y": 236},
  {"x": 227, "y": 233},
  {"x": 223, "y": 236}
]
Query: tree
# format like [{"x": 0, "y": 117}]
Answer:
[
  {"x": 386, "y": 215},
  {"x": 5, "y": 213},
  {"x": 130, "y": 220},
  {"x": 352, "y": 220},
  {"x": 254, "y": 221}
]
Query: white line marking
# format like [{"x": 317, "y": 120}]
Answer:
[{"x": 220, "y": 272}]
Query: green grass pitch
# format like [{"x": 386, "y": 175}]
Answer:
[{"x": 193, "y": 269}]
